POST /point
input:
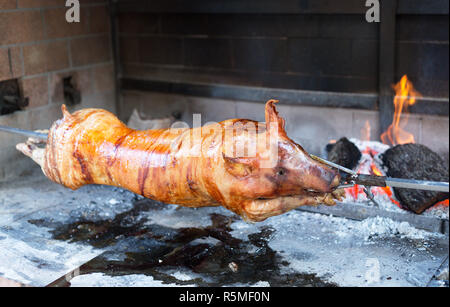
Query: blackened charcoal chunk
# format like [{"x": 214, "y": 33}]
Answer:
[
  {"x": 344, "y": 153},
  {"x": 415, "y": 161}
]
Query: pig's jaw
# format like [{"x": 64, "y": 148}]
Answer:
[
  {"x": 260, "y": 209},
  {"x": 306, "y": 182}
]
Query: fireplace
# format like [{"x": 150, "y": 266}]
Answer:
[{"x": 339, "y": 80}]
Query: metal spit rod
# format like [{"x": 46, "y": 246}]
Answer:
[
  {"x": 387, "y": 181},
  {"x": 417, "y": 184},
  {"x": 381, "y": 181},
  {"x": 28, "y": 133},
  {"x": 344, "y": 169}
]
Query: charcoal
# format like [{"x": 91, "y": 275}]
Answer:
[
  {"x": 415, "y": 161},
  {"x": 344, "y": 153}
]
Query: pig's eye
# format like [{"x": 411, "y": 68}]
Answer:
[{"x": 281, "y": 172}]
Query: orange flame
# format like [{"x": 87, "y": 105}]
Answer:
[
  {"x": 375, "y": 170},
  {"x": 442, "y": 203},
  {"x": 386, "y": 190},
  {"x": 405, "y": 95}
]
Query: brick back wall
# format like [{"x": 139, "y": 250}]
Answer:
[
  {"x": 422, "y": 52},
  {"x": 282, "y": 51},
  {"x": 311, "y": 52},
  {"x": 40, "y": 48}
]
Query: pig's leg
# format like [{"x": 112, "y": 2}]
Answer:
[
  {"x": 31, "y": 149},
  {"x": 260, "y": 209}
]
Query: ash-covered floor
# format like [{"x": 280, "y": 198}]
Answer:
[{"x": 106, "y": 236}]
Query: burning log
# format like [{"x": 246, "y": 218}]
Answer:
[
  {"x": 415, "y": 161},
  {"x": 344, "y": 153}
]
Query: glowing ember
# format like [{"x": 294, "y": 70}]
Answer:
[
  {"x": 443, "y": 203},
  {"x": 387, "y": 190},
  {"x": 371, "y": 164},
  {"x": 367, "y": 166},
  {"x": 405, "y": 95}
]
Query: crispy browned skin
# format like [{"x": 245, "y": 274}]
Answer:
[{"x": 92, "y": 146}]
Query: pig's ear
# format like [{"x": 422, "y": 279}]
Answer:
[
  {"x": 272, "y": 117},
  {"x": 239, "y": 167},
  {"x": 65, "y": 113}
]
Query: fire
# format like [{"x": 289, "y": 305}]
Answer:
[
  {"x": 358, "y": 190},
  {"x": 405, "y": 95},
  {"x": 368, "y": 165},
  {"x": 386, "y": 190},
  {"x": 442, "y": 203},
  {"x": 375, "y": 170}
]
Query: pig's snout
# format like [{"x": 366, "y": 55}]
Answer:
[
  {"x": 305, "y": 173},
  {"x": 331, "y": 178},
  {"x": 322, "y": 178},
  {"x": 336, "y": 181}
]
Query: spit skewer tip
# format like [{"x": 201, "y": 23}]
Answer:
[{"x": 24, "y": 132}]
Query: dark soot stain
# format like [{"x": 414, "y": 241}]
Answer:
[{"x": 149, "y": 249}]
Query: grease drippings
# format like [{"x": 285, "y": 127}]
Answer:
[{"x": 211, "y": 254}]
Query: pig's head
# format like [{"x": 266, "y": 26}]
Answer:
[{"x": 278, "y": 168}]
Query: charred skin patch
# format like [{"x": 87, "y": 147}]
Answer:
[
  {"x": 211, "y": 186},
  {"x": 117, "y": 144},
  {"x": 84, "y": 166},
  {"x": 142, "y": 177},
  {"x": 180, "y": 144},
  {"x": 174, "y": 162},
  {"x": 50, "y": 144},
  {"x": 108, "y": 173},
  {"x": 191, "y": 180},
  {"x": 192, "y": 185}
]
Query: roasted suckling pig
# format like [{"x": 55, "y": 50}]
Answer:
[{"x": 251, "y": 168}]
